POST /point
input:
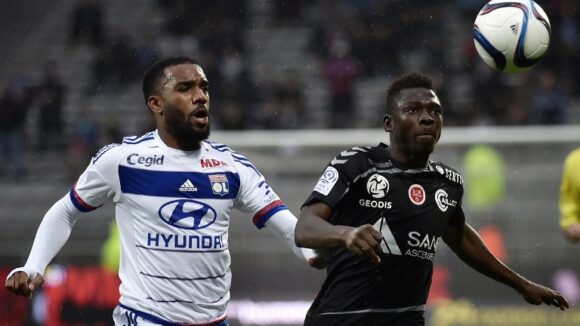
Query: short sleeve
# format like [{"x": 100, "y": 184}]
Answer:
[
  {"x": 458, "y": 217},
  {"x": 99, "y": 182},
  {"x": 256, "y": 196},
  {"x": 337, "y": 178}
]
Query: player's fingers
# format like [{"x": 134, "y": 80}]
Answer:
[
  {"x": 36, "y": 283},
  {"x": 21, "y": 283},
  {"x": 559, "y": 301},
  {"x": 9, "y": 283},
  {"x": 373, "y": 242},
  {"x": 317, "y": 262},
  {"x": 17, "y": 283},
  {"x": 355, "y": 249},
  {"x": 370, "y": 253},
  {"x": 369, "y": 231}
]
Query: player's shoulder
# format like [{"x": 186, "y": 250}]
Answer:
[
  {"x": 353, "y": 156},
  {"x": 573, "y": 157},
  {"x": 128, "y": 144},
  {"x": 141, "y": 140},
  {"x": 222, "y": 150},
  {"x": 232, "y": 157},
  {"x": 446, "y": 171}
]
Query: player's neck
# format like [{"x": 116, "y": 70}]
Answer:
[
  {"x": 410, "y": 160},
  {"x": 173, "y": 142}
]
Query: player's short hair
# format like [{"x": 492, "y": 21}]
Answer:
[
  {"x": 413, "y": 79},
  {"x": 153, "y": 78}
]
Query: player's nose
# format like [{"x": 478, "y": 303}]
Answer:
[{"x": 199, "y": 96}]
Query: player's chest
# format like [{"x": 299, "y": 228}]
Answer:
[
  {"x": 162, "y": 175},
  {"x": 400, "y": 196}
]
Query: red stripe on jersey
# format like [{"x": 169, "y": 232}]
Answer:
[
  {"x": 266, "y": 209},
  {"x": 80, "y": 201}
]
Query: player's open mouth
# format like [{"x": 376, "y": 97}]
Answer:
[{"x": 201, "y": 116}]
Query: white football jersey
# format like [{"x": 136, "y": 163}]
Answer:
[{"x": 173, "y": 210}]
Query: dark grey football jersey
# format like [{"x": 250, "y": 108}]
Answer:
[{"x": 410, "y": 207}]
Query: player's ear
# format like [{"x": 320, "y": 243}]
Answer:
[
  {"x": 154, "y": 104},
  {"x": 387, "y": 123}
]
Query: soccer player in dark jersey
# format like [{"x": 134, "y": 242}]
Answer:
[{"x": 379, "y": 213}]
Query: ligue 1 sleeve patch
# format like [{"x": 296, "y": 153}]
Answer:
[{"x": 327, "y": 181}]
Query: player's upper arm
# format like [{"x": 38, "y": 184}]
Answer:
[
  {"x": 255, "y": 195},
  {"x": 316, "y": 209},
  {"x": 100, "y": 181}
]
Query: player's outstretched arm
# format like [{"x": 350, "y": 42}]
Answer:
[
  {"x": 314, "y": 231},
  {"x": 469, "y": 247},
  {"x": 282, "y": 225},
  {"x": 52, "y": 234}
]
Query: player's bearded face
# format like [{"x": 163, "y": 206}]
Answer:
[{"x": 183, "y": 127}]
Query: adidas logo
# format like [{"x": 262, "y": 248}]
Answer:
[
  {"x": 515, "y": 28},
  {"x": 188, "y": 186}
]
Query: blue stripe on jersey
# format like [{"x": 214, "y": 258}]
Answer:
[
  {"x": 248, "y": 164},
  {"x": 137, "y": 141},
  {"x": 168, "y": 183},
  {"x": 79, "y": 203},
  {"x": 261, "y": 220}
]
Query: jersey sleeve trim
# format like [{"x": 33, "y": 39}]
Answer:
[
  {"x": 79, "y": 203},
  {"x": 265, "y": 213}
]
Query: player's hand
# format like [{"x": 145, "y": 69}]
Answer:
[
  {"x": 537, "y": 294},
  {"x": 319, "y": 260},
  {"x": 20, "y": 284},
  {"x": 365, "y": 241},
  {"x": 573, "y": 233}
]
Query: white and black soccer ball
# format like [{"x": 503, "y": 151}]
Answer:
[{"x": 511, "y": 35}]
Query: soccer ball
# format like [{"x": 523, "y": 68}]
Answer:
[{"x": 511, "y": 36}]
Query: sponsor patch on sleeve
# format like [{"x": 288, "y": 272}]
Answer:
[{"x": 327, "y": 181}]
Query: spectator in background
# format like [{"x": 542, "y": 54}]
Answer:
[
  {"x": 289, "y": 12},
  {"x": 14, "y": 108},
  {"x": 340, "y": 71},
  {"x": 237, "y": 91},
  {"x": 50, "y": 97},
  {"x": 284, "y": 107},
  {"x": 570, "y": 197},
  {"x": 548, "y": 102},
  {"x": 87, "y": 23},
  {"x": 82, "y": 146}
]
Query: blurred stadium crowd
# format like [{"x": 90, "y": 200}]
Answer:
[{"x": 345, "y": 48}]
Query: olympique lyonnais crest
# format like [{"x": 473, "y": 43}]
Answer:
[{"x": 219, "y": 184}]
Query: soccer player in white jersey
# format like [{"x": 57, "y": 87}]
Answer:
[{"x": 173, "y": 191}]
